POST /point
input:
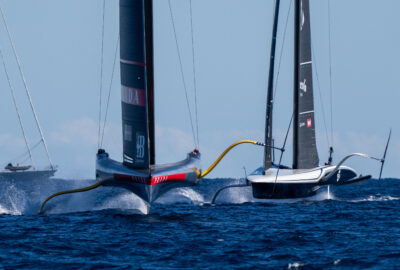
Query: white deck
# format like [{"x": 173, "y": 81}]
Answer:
[{"x": 290, "y": 176}]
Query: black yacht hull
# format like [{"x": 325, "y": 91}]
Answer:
[
  {"x": 283, "y": 191},
  {"x": 299, "y": 183}
]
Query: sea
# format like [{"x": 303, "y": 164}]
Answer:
[{"x": 348, "y": 227}]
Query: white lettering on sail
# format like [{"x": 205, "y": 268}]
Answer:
[
  {"x": 133, "y": 96},
  {"x": 140, "y": 142},
  {"x": 303, "y": 87},
  {"x": 302, "y": 16}
]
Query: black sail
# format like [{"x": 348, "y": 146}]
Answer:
[
  {"x": 137, "y": 83},
  {"x": 305, "y": 153}
]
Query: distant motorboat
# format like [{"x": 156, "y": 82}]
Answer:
[{"x": 13, "y": 168}]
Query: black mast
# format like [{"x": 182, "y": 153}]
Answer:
[
  {"x": 296, "y": 80},
  {"x": 270, "y": 97},
  {"x": 137, "y": 82},
  {"x": 305, "y": 153},
  {"x": 150, "y": 75}
]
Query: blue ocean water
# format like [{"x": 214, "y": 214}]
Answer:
[{"x": 347, "y": 227}]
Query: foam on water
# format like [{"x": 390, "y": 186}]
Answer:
[
  {"x": 295, "y": 265},
  {"x": 321, "y": 232},
  {"x": 181, "y": 195},
  {"x": 13, "y": 200},
  {"x": 19, "y": 197},
  {"x": 124, "y": 200},
  {"x": 372, "y": 198},
  {"x": 25, "y": 198}
]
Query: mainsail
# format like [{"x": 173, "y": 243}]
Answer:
[
  {"x": 137, "y": 83},
  {"x": 305, "y": 153}
]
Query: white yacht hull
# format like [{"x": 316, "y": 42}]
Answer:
[
  {"x": 27, "y": 175},
  {"x": 289, "y": 183}
]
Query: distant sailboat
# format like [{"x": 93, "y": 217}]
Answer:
[
  {"x": 306, "y": 176},
  {"x": 24, "y": 172}
]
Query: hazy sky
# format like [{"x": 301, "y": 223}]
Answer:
[{"x": 59, "y": 44}]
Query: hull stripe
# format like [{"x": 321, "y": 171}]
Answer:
[{"x": 150, "y": 181}]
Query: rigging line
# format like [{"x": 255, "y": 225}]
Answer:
[
  {"x": 181, "y": 68},
  {"x": 24, "y": 154},
  {"x": 101, "y": 74},
  {"x": 330, "y": 67},
  {"x": 283, "y": 43},
  {"x": 194, "y": 75},
  {"x": 320, "y": 95},
  {"x": 16, "y": 107},
  {"x": 283, "y": 147},
  {"x": 26, "y": 88},
  {"x": 109, "y": 91}
]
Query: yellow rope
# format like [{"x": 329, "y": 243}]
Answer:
[
  {"x": 68, "y": 192},
  {"x": 224, "y": 153}
]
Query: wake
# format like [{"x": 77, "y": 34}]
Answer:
[{"x": 25, "y": 198}]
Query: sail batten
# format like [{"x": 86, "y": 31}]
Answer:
[{"x": 305, "y": 154}]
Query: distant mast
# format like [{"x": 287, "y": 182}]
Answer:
[
  {"x": 137, "y": 83},
  {"x": 270, "y": 94}
]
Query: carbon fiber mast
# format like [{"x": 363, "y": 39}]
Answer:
[
  {"x": 305, "y": 155},
  {"x": 137, "y": 83},
  {"x": 148, "y": 8},
  {"x": 270, "y": 95}
]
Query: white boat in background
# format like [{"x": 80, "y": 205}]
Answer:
[
  {"x": 30, "y": 171},
  {"x": 27, "y": 175}
]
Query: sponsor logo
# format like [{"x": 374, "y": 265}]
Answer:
[
  {"x": 128, "y": 158},
  {"x": 309, "y": 122},
  {"x": 302, "y": 124},
  {"x": 133, "y": 96},
  {"x": 303, "y": 87},
  {"x": 159, "y": 179},
  {"x": 150, "y": 181},
  {"x": 140, "y": 143}
]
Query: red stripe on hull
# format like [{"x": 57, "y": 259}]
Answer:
[{"x": 157, "y": 180}]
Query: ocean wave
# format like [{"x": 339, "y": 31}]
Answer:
[{"x": 373, "y": 198}]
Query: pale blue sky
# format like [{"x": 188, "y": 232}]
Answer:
[{"x": 59, "y": 44}]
